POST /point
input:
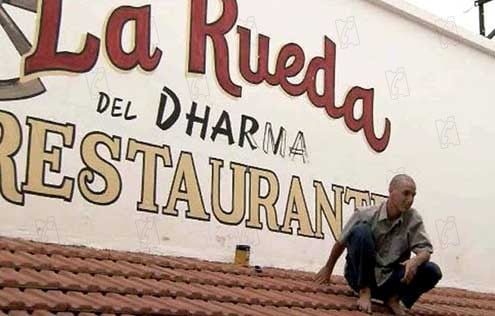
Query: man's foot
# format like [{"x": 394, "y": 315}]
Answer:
[
  {"x": 364, "y": 301},
  {"x": 394, "y": 304}
]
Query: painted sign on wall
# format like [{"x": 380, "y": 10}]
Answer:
[
  {"x": 45, "y": 58},
  {"x": 187, "y": 127}
]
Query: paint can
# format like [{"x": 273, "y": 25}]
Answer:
[{"x": 242, "y": 255}]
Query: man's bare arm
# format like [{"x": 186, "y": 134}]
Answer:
[
  {"x": 411, "y": 265},
  {"x": 421, "y": 257},
  {"x": 326, "y": 272}
]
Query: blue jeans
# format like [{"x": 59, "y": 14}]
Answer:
[{"x": 360, "y": 265}]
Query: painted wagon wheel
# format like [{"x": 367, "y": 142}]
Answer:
[{"x": 14, "y": 89}]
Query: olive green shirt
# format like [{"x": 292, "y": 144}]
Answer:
[{"x": 394, "y": 239}]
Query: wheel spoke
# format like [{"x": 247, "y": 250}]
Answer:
[
  {"x": 30, "y": 5},
  {"x": 14, "y": 33},
  {"x": 13, "y": 89}
]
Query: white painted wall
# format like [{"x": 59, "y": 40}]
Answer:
[{"x": 446, "y": 75}]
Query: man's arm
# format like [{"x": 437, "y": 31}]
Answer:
[
  {"x": 411, "y": 265},
  {"x": 421, "y": 246},
  {"x": 338, "y": 248},
  {"x": 326, "y": 272},
  {"x": 421, "y": 257}
]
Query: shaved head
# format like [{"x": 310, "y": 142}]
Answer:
[
  {"x": 402, "y": 191},
  {"x": 398, "y": 180}
]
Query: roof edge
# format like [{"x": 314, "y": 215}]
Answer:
[{"x": 433, "y": 22}]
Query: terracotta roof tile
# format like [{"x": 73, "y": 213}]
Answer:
[
  {"x": 17, "y": 313},
  {"x": 55, "y": 280}
]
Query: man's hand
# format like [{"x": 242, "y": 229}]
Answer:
[
  {"x": 364, "y": 301},
  {"x": 323, "y": 276},
  {"x": 410, "y": 267}
]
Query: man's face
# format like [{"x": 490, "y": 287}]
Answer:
[{"x": 402, "y": 195}]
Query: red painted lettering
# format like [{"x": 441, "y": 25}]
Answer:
[
  {"x": 295, "y": 53},
  {"x": 290, "y": 62},
  {"x": 262, "y": 74},
  {"x": 140, "y": 54},
  {"x": 46, "y": 57},
  {"x": 200, "y": 30}
]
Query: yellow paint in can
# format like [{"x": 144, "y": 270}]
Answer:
[{"x": 242, "y": 255}]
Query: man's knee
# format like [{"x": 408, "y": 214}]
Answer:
[
  {"x": 360, "y": 237},
  {"x": 427, "y": 277},
  {"x": 361, "y": 231},
  {"x": 431, "y": 271}
]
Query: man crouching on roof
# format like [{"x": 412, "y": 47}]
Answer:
[{"x": 379, "y": 240}]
